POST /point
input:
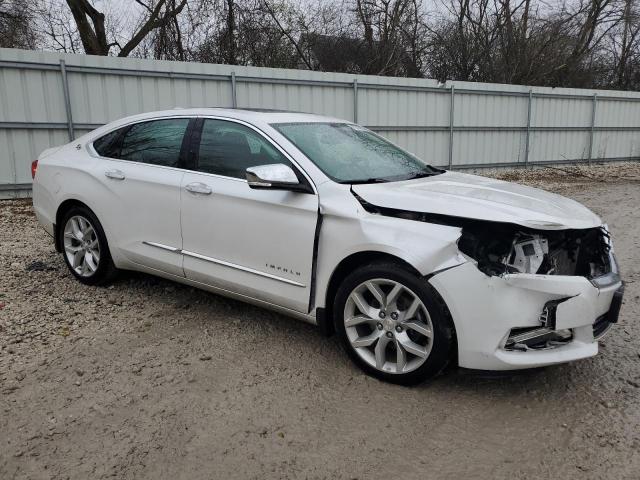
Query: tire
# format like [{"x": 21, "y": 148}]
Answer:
[
  {"x": 81, "y": 232},
  {"x": 414, "y": 319}
]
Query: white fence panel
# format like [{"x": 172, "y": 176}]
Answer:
[{"x": 49, "y": 98}]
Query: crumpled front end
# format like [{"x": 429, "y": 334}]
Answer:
[
  {"x": 531, "y": 293},
  {"x": 530, "y": 298}
]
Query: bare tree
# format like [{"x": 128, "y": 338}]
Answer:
[
  {"x": 91, "y": 25},
  {"x": 513, "y": 41},
  {"x": 462, "y": 44},
  {"x": 390, "y": 30},
  {"x": 16, "y": 26},
  {"x": 578, "y": 43},
  {"x": 166, "y": 41},
  {"x": 625, "y": 49},
  {"x": 287, "y": 33}
]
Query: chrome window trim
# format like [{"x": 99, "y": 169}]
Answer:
[
  {"x": 215, "y": 175},
  {"x": 268, "y": 139},
  {"x": 93, "y": 138},
  {"x": 93, "y": 153}
]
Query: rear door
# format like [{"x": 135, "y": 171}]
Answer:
[
  {"x": 141, "y": 166},
  {"x": 254, "y": 242}
]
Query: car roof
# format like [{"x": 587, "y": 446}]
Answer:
[{"x": 247, "y": 115}]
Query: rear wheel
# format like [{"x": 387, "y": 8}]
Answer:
[
  {"x": 84, "y": 247},
  {"x": 392, "y": 325}
]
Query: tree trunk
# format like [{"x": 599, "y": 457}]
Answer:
[{"x": 231, "y": 35}]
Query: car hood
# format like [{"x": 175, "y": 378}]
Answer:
[{"x": 471, "y": 196}]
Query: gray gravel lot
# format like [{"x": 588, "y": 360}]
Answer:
[{"x": 149, "y": 379}]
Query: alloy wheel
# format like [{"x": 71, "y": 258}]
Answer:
[
  {"x": 388, "y": 326},
  {"x": 81, "y": 246}
]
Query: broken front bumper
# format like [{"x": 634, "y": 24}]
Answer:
[{"x": 486, "y": 309}]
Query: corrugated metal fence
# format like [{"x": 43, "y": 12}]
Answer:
[{"x": 49, "y": 98}]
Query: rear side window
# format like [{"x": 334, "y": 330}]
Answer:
[
  {"x": 157, "y": 142},
  {"x": 228, "y": 149},
  {"x": 109, "y": 145}
]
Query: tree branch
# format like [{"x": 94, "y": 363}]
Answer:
[
  {"x": 154, "y": 21},
  {"x": 288, "y": 35}
]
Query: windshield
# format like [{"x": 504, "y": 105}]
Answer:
[{"x": 349, "y": 153}]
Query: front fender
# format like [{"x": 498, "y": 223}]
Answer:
[{"x": 428, "y": 248}]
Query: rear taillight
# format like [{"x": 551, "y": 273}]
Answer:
[{"x": 34, "y": 168}]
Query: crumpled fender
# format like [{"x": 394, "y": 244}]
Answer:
[{"x": 426, "y": 247}]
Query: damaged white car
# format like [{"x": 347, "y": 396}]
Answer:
[{"x": 413, "y": 267}]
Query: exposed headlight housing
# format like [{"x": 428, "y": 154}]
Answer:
[
  {"x": 512, "y": 249},
  {"x": 610, "y": 278}
]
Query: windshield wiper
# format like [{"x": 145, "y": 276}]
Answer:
[
  {"x": 423, "y": 175},
  {"x": 366, "y": 180},
  {"x": 393, "y": 179}
]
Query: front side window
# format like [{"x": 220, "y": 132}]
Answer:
[
  {"x": 349, "y": 153},
  {"x": 229, "y": 148}
]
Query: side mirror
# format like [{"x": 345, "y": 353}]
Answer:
[{"x": 277, "y": 176}]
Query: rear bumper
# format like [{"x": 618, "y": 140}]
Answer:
[
  {"x": 42, "y": 207},
  {"x": 486, "y": 309}
]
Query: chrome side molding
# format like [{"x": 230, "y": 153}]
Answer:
[
  {"x": 242, "y": 268},
  {"x": 160, "y": 245},
  {"x": 223, "y": 263}
]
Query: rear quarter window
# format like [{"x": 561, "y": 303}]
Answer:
[{"x": 108, "y": 145}]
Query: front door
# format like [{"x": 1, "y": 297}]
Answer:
[{"x": 257, "y": 243}]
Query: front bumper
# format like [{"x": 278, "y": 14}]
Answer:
[{"x": 485, "y": 309}]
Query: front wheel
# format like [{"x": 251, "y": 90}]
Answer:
[
  {"x": 392, "y": 325},
  {"x": 84, "y": 247}
]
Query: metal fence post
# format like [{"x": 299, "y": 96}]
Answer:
[
  {"x": 14, "y": 163},
  {"x": 451, "y": 116},
  {"x": 234, "y": 98},
  {"x": 526, "y": 148},
  {"x": 593, "y": 125},
  {"x": 355, "y": 100},
  {"x": 67, "y": 99}
]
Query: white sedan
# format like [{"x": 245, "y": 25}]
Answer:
[{"x": 413, "y": 267}]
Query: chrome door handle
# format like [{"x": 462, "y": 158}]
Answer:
[
  {"x": 114, "y": 174},
  {"x": 199, "y": 188}
]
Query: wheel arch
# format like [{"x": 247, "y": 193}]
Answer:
[
  {"x": 325, "y": 320},
  {"x": 62, "y": 209},
  {"x": 345, "y": 266}
]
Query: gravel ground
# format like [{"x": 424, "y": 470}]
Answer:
[{"x": 149, "y": 379}]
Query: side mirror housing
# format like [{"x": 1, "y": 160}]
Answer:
[{"x": 277, "y": 176}]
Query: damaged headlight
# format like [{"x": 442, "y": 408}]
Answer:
[
  {"x": 528, "y": 253},
  {"x": 510, "y": 249},
  {"x": 613, "y": 276},
  {"x": 500, "y": 248}
]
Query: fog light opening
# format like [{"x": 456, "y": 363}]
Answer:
[{"x": 537, "y": 338}]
